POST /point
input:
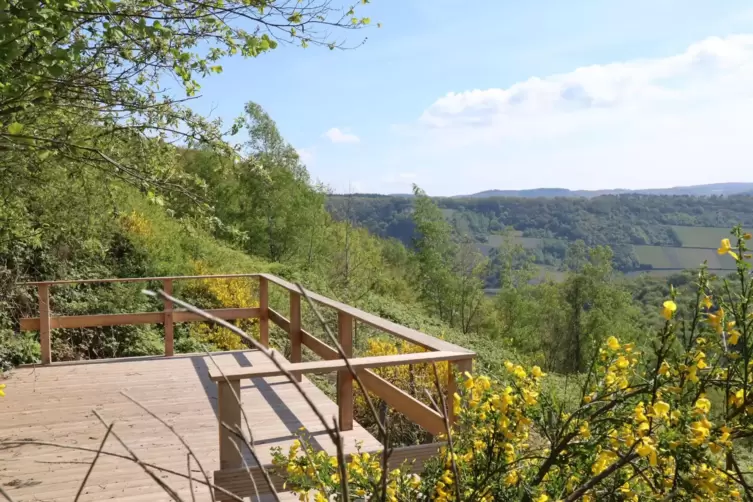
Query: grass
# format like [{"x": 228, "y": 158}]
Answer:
[
  {"x": 682, "y": 258},
  {"x": 701, "y": 237}
]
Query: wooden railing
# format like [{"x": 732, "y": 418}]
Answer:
[{"x": 231, "y": 474}]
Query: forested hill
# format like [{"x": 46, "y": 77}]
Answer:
[
  {"x": 646, "y": 232},
  {"x": 698, "y": 190}
]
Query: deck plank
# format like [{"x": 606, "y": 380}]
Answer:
[{"x": 55, "y": 403}]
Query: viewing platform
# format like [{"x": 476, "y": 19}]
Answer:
[{"x": 50, "y": 432}]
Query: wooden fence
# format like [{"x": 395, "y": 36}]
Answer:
[{"x": 231, "y": 474}]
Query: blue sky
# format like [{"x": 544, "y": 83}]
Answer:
[{"x": 460, "y": 97}]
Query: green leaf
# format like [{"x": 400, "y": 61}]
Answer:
[
  {"x": 55, "y": 70},
  {"x": 15, "y": 128}
]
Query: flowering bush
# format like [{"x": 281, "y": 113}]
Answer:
[
  {"x": 414, "y": 379},
  {"x": 223, "y": 293},
  {"x": 665, "y": 425}
]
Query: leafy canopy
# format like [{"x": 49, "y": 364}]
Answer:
[{"x": 78, "y": 77}]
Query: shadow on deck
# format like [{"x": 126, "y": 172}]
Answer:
[{"x": 54, "y": 404}]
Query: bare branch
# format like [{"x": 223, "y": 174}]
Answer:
[
  {"x": 156, "y": 478},
  {"x": 94, "y": 461},
  {"x": 175, "y": 433}
]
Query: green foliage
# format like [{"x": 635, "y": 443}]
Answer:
[
  {"x": 450, "y": 270},
  {"x": 548, "y": 225},
  {"x": 84, "y": 80},
  {"x": 670, "y": 423}
]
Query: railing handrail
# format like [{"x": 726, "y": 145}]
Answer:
[
  {"x": 403, "y": 332},
  {"x": 136, "y": 279},
  {"x": 333, "y": 365}
]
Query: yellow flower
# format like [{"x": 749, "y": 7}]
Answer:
[
  {"x": 613, "y": 343},
  {"x": 668, "y": 308},
  {"x": 747, "y": 236},
  {"x": 542, "y": 498},
  {"x": 661, "y": 409},
  {"x": 584, "y": 430},
  {"x": 2, "y": 389},
  {"x": 664, "y": 368},
  {"x": 734, "y": 336},
  {"x": 703, "y": 405},
  {"x": 511, "y": 478},
  {"x": 536, "y": 372},
  {"x": 469, "y": 383},
  {"x": 645, "y": 447},
  {"x": 726, "y": 248},
  {"x": 640, "y": 413},
  {"x": 707, "y": 302}
]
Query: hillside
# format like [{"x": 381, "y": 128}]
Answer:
[
  {"x": 656, "y": 233},
  {"x": 713, "y": 189}
]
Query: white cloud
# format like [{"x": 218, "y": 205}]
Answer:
[
  {"x": 666, "y": 121},
  {"x": 709, "y": 69},
  {"x": 339, "y": 136}
]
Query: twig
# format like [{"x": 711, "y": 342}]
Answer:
[
  {"x": 136, "y": 459},
  {"x": 245, "y": 464},
  {"x": 5, "y": 494},
  {"x": 444, "y": 411},
  {"x": 94, "y": 461},
  {"x": 582, "y": 489},
  {"x": 250, "y": 440},
  {"x": 175, "y": 433},
  {"x": 345, "y": 358},
  {"x": 190, "y": 477},
  {"x": 14, "y": 444},
  {"x": 341, "y": 462},
  {"x": 332, "y": 432},
  {"x": 386, "y": 452},
  {"x": 748, "y": 490}
]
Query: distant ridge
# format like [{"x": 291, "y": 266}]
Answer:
[{"x": 698, "y": 190}]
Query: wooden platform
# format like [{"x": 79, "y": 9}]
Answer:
[{"x": 54, "y": 404}]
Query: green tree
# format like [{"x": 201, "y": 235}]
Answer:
[
  {"x": 595, "y": 306},
  {"x": 264, "y": 202},
  {"x": 450, "y": 270},
  {"x": 78, "y": 80}
]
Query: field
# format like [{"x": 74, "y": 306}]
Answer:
[
  {"x": 699, "y": 244},
  {"x": 700, "y": 237},
  {"x": 527, "y": 242},
  {"x": 682, "y": 258}
]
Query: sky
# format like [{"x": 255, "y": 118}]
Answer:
[{"x": 459, "y": 97}]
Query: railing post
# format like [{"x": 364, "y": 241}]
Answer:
[
  {"x": 43, "y": 291},
  {"x": 295, "y": 329},
  {"x": 454, "y": 370},
  {"x": 167, "y": 307},
  {"x": 344, "y": 378},
  {"x": 229, "y": 414},
  {"x": 264, "y": 311}
]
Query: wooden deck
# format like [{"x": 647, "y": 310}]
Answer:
[{"x": 54, "y": 403}]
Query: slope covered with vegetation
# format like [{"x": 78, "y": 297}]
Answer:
[{"x": 634, "y": 226}]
